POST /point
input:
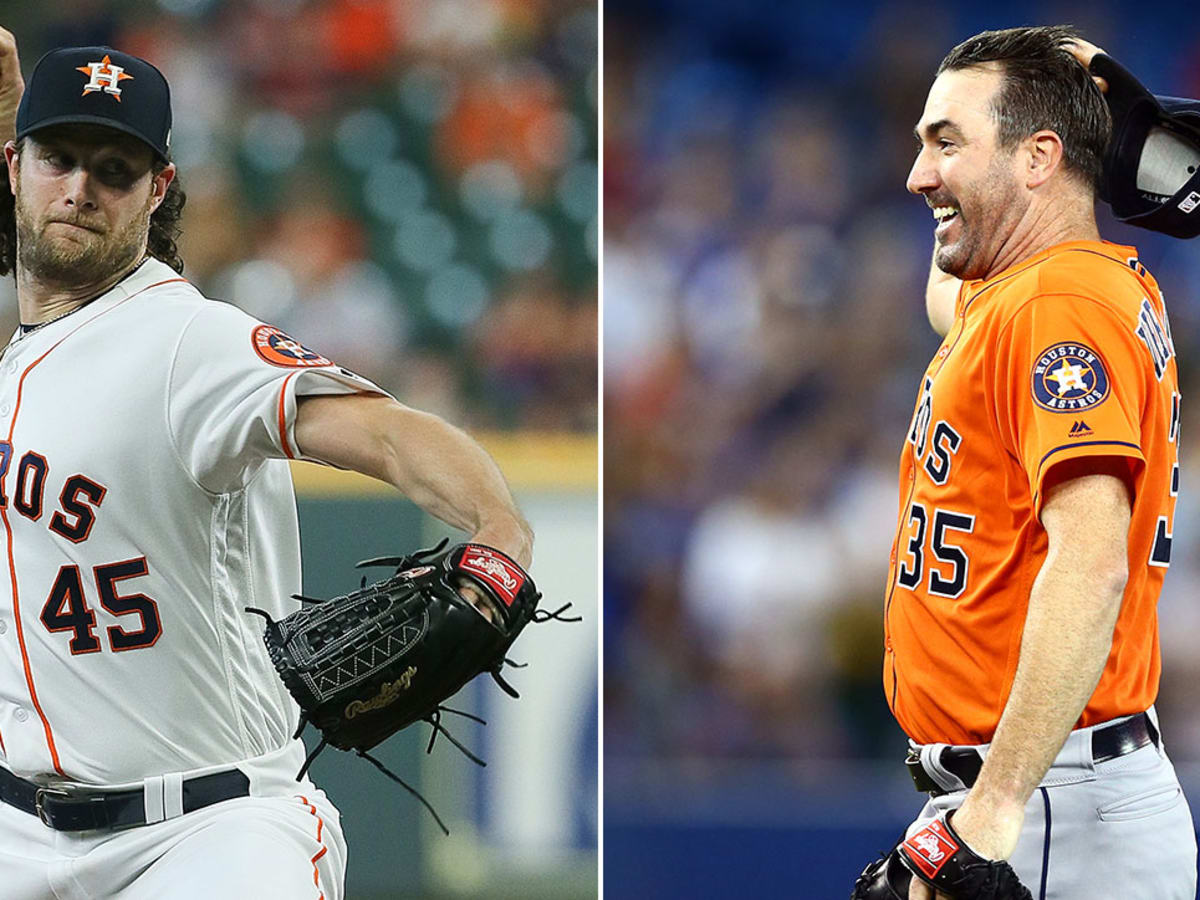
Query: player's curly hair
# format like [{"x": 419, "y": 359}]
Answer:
[
  {"x": 165, "y": 225},
  {"x": 1044, "y": 87}
]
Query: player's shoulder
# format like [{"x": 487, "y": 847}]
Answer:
[
  {"x": 1095, "y": 269},
  {"x": 1087, "y": 277},
  {"x": 158, "y": 294}
]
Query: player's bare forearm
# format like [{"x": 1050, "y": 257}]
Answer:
[
  {"x": 437, "y": 466},
  {"x": 1068, "y": 634},
  {"x": 940, "y": 293}
]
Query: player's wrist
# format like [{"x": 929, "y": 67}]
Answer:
[
  {"x": 510, "y": 534},
  {"x": 989, "y": 826}
]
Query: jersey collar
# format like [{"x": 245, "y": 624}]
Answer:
[{"x": 1120, "y": 252}]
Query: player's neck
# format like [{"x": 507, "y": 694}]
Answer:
[
  {"x": 1044, "y": 226},
  {"x": 40, "y": 301}
]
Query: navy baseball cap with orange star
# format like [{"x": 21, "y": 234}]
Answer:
[{"x": 98, "y": 86}]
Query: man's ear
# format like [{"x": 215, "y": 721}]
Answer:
[
  {"x": 13, "y": 161},
  {"x": 1044, "y": 153},
  {"x": 160, "y": 183}
]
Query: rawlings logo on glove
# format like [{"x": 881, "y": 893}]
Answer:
[
  {"x": 389, "y": 692},
  {"x": 940, "y": 858}
]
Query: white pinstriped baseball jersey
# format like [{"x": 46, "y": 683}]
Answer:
[{"x": 145, "y": 500}]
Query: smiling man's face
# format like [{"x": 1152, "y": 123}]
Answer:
[
  {"x": 84, "y": 195},
  {"x": 969, "y": 181}
]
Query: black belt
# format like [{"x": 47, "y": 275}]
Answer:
[
  {"x": 965, "y": 762},
  {"x": 80, "y": 809}
]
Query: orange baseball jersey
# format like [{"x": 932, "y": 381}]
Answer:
[{"x": 1065, "y": 355}]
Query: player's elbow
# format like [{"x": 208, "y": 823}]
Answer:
[
  {"x": 1106, "y": 586},
  {"x": 1111, "y": 582}
]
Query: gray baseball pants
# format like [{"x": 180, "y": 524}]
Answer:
[{"x": 1119, "y": 829}]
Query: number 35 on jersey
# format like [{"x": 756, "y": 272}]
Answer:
[{"x": 932, "y": 555}]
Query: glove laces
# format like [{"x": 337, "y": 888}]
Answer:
[{"x": 435, "y": 721}]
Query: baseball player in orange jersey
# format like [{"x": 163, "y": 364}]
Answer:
[
  {"x": 146, "y": 743},
  {"x": 1037, "y": 494}
]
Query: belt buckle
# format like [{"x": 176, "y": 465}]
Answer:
[{"x": 40, "y": 795}]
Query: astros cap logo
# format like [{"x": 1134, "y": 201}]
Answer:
[
  {"x": 56, "y": 94},
  {"x": 103, "y": 76}
]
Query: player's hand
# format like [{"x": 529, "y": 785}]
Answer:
[
  {"x": 472, "y": 595},
  {"x": 12, "y": 85},
  {"x": 919, "y": 890},
  {"x": 990, "y": 829},
  {"x": 1084, "y": 51},
  {"x": 991, "y": 834}
]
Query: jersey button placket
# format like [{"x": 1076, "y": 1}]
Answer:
[{"x": 8, "y": 388}]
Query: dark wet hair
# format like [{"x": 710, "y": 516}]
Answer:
[{"x": 1044, "y": 87}]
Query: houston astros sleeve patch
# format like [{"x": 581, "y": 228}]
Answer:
[
  {"x": 277, "y": 348},
  {"x": 1069, "y": 377}
]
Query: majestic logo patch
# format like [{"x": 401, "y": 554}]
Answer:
[
  {"x": 280, "y": 350},
  {"x": 103, "y": 76},
  {"x": 1068, "y": 378},
  {"x": 931, "y": 847},
  {"x": 493, "y": 569},
  {"x": 1080, "y": 429}
]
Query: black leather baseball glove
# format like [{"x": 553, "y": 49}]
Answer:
[
  {"x": 939, "y": 857},
  {"x": 367, "y": 664}
]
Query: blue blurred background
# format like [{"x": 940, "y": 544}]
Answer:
[{"x": 764, "y": 331}]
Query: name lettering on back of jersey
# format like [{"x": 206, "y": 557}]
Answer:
[
  {"x": 1155, "y": 333},
  {"x": 1069, "y": 377},
  {"x": 1160, "y": 551}
]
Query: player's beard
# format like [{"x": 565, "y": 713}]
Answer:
[
  {"x": 990, "y": 213},
  {"x": 52, "y": 256}
]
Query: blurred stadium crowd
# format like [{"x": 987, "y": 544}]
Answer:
[
  {"x": 407, "y": 186},
  {"x": 764, "y": 332}
]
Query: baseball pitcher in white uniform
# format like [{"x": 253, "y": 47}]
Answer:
[{"x": 146, "y": 745}]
